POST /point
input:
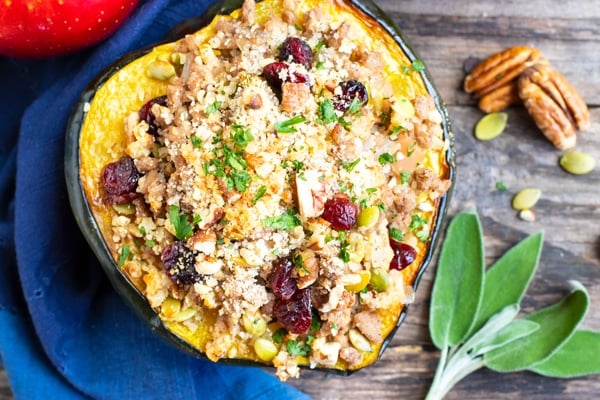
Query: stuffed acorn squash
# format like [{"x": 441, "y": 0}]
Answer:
[{"x": 269, "y": 188}]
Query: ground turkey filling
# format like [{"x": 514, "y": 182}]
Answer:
[{"x": 274, "y": 193}]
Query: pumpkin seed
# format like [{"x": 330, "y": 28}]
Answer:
[
  {"x": 161, "y": 70},
  {"x": 170, "y": 307},
  {"x": 380, "y": 280},
  {"x": 577, "y": 162},
  {"x": 253, "y": 324},
  {"x": 491, "y": 126},
  {"x": 265, "y": 349},
  {"x": 125, "y": 209},
  {"x": 184, "y": 315},
  {"x": 359, "y": 341},
  {"x": 356, "y": 282},
  {"x": 526, "y": 199},
  {"x": 368, "y": 217}
]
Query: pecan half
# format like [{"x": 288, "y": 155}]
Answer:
[
  {"x": 555, "y": 106},
  {"x": 500, "y": 98},
  {"x": 500, "y": 68}
]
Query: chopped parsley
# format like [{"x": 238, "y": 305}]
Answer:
[
  {"x": 142, "y": 230},
  {"x": 278, "y": 335},
  {"x": 287, "y": 126},
  {"x": 286, "y": 221},
  {"x": 315, "y": 323},
  {"x": 411, "y": 149},
  {"x": 386, "y": 158},
  {"x": 417, "y": 222},
  {"x": 405, "y": 177},
  {"x": 126, "y": 254},
  {"x": 183, "y": 229},
  {"x": 297, "y": 348},
  {"x": 397, "y": 129},
  {"x": 349, "y": 166},
  {"x": 327, "y": 112},
  {"x": 319, "y": 46},
  {"x": 396, "y": 234},
  {"x": 150, "y": 243},
  {"x": 501, "y": 186},
  {"x": 196, "y": 141},
  {"x": 344, "y": 246},
  {"x": 259, "y": 193},
  {"x": 418, "y": 66},
  {"x": 423, "y": 234},
  {"x": 213, "y": 107},
  {"x": 320, "y": 65},
  {"x": 241, "y": 136},
  {"x": 238, "y": 180},
  {"x": 355, "y": 106}
]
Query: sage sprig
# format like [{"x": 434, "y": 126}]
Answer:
[{"x": 474, "y": 314}]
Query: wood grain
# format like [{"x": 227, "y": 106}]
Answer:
[{"x": 445, "y": 34}]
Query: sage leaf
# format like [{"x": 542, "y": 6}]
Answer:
[
  {"x": 456, "y": 293},
  {"x": 513, "y": 331},
  {"x": 557, "y": 324},
  {"x": 579, "y": 356},
  {"x": 495, "y": 324},
  {"x": 507, "y": 280}
]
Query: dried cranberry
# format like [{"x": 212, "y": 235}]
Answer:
[
  {"x": 119, "y": 180},
  {"x": 340, "y": 212},
  {"x": 145, "y": 113},
  {"x": 274, "y": 72},
  {"x": 178, "y": 261},
  {"x": 350, "y": 90},
  {"x": 280, "y": 279},
  {"x": 297, "y": 51},
  {"x": 295, "y": 314},
  {"x": 404, "y": 255}
]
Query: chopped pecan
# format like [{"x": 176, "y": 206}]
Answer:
[
  {"x": 500, "y": 98},
  {"x": 555, "y": 106},
  {"x": 499, "y": 69}
]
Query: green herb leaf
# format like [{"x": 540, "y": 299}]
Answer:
[
  {"x": 196, "y": 141},
  {"x": 386, "y": 158},
  {"x": 279, "y": 334},
  {"x": 405, "y": 177},
  {"x": 355, "y": 106},
  {"x": 507, "y": 280},
  {"x": 578, "y": 356},
  {"x": 349, "y": 166},
  {"x": 241, "y": 136},
  {"x": 418, "y": 66},
  {"x": 183, "y": 229},
  {"x": 297, "y": 348},
  {"x": 515, "y": 330},
  {"x": 286, "y": 221},
  {"x": 213, "y": 107},
  {"x": 259, "y": 193},
  {"x": 458, "y": 285},
  {"x": 327, "y": 112},
  {"x": 287, "y": 126},
  {"x": 125, "y": 255},
  {"x": 557, "y": 323},
  {"x": 501, "y": 186},
  {"x": 396, "y": 234}
]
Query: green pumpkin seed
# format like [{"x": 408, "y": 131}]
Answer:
[
  {"x": 491, "y": 126},
  {"x": 368, "y": 217},
  {"x": 124, "y": 209},
  {"x": 359, "y": 341},
  {"x": 380, "y": 280},
  {"x": 577, "y": 162},
  {"x": 526, "y": 198},
  {"x": 161, "y": 70}
]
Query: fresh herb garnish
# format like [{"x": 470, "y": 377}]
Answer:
[
  {"x": 259, "y": 193},
  {"x": 501, "y": 186},
  {"x": 241, "y": 136},
  {"x": 150, "y": 243},
  {"x": 183, "y": 229},
  {"x": 355, "y": 106},
  {"x": 327, "y": 112},
  {"x": 416, "y": 222},
  {"x": 344, "y": 247},
  {"x": 196, "y": 141},
  {"x": 125, "y": 255},
  {"x": 278, "y": 335},
  {"x": 287, "y": 126},
  {"x": 386, "y": 158},
  {"x": 417, "y": 66},
  {"x": 286, "y": 221},
  {"x": 405, "y": 177},
  {"x": 349, "y": 166},
  {"x": 213, "y": 107},
  {"x": 297, "y": 348},
  {"x": 396, "y": 234},
  {"x": 478, "y": 327}
]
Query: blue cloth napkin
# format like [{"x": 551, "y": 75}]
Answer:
[{"x": 64, "y": 333}]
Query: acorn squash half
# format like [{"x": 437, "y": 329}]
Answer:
[{"x": 268, "y": 189}]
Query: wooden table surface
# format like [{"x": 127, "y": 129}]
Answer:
[{"x": 445, "y": 33}]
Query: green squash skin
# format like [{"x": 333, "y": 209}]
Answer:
[{"x": 91, "y": 232}]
